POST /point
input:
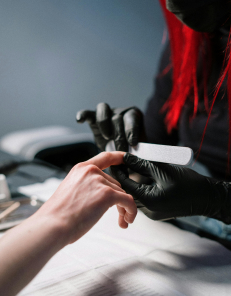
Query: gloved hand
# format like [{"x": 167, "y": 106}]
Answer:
[
  {"x": 123, "y": 125},
  {"x": 176, "y": 191}
]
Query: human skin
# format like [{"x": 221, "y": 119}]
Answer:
[{"x": 78, "y": 203}]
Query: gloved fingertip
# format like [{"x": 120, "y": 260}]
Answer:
[
  {"x": 119, "y": 172},
  {"x": 103, "y": 105},
  {"x": 103, "y": 112},
  {"x": 79, "y": 117},
  {"x": 128, "y": 157}
]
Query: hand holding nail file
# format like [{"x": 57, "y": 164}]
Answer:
[{"x": 160, "y": 153}]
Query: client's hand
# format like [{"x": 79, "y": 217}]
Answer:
[
  {"x": 123, "y": 125},
  {"x": 176, "y": 191},
  {"x": 86, "y": 194},
  {"x": 78, "y": 203}
]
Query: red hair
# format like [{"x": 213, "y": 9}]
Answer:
[{"x": 186, "y": 47}]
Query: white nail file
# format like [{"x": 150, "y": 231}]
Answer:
[{"x": 161, "y": 153}]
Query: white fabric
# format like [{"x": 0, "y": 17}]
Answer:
[
  {"x": 41, "y": 191},
  {"x": 147, "y": 258}
]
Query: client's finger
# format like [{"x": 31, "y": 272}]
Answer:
[
  {"x": 121, "y": 210},
  {"x": 106, "y": 159},
  {"x": 122, "y": 223},
  {"x": 97, "y": 171},
  {"x": 112, "y": 185},
  {"x": 125, "y": 201},
  {"x": 110, "y": 179}
]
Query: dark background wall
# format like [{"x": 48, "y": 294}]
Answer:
[{"x": 60, "y": 56}]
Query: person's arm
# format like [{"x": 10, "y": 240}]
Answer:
[{"x": 78, "y": 203}]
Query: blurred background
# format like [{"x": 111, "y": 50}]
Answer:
[{"x": 61, "y": 56}]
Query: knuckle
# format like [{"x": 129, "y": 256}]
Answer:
[
  {"x": 79, "y": 165},
  {"x": 99, "y": 179},
  {"x": 107, "y": 191},
  {"x": 88, "y": 169},
  {"x": 76, "y": 167},
  {"x": 105, "y": 196},
  {"x": 91, "y": 169}
]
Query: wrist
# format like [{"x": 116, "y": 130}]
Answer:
[
  {"x": 37, "y": 239},
  {"x": 53, "y": 228}
]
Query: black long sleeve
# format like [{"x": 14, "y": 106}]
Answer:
[
  {"x": 189, "y": 133},
  {"x": 154, "y": 119}
]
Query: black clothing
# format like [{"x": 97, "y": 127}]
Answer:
[
  {"x": 215, "y": 145},
  {"x": 201, "y": 15}
]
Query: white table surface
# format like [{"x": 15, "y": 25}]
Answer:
[{"x": 148, "y": 258}]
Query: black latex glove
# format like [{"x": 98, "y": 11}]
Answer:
[
  {"x": 176, "y": 191},
  {"x": 123, "y": 125}
]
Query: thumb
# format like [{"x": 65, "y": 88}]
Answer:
[
  {"x": 120, "y": 173},
  {"x": 140, "y": 192},
  {"x": 138, "y": 165}
]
